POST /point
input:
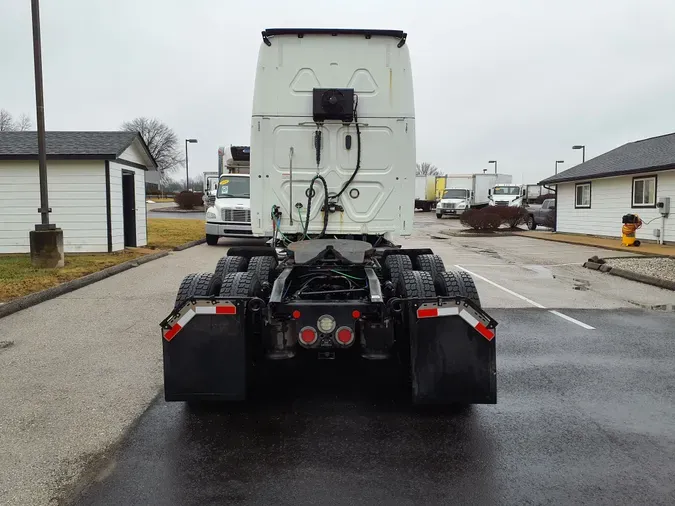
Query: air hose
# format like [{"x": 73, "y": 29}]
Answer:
[{"x": 310, "y": 194}]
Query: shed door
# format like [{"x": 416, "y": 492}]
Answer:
[{"x": 129, "y": 208}]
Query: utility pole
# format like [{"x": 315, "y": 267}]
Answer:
[{"x": 46, "y": 241}]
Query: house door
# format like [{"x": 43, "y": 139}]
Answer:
[{"x": 129, "y": 208}]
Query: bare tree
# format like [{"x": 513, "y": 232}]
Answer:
[
  {"x": 7, "y": 123},
  {"x": 23, "y": 124},
  {"x": 161, "y": 140},
  {"x": 427, "y": 169}
]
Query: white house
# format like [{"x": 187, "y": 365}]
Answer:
[
  {"x": 96, "y": 184},
  {"x": 631, "y": 179}
]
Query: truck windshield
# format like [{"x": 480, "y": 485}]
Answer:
[
  {"x": 455, "y": 194},
  {"x": 507, "y": 190},
  {"x": 234, "y": 187}
]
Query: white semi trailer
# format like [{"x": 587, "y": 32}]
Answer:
[{"x": 332, "y": 179}]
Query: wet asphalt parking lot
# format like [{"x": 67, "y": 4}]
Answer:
[{"x": 585, "y": 415}]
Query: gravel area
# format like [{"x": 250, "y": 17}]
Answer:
[{"x": 662, "y": 268}]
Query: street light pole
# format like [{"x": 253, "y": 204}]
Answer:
[
  {"x": 583, "y": 152},
  {"x": 40, "y": 114},
  {"x": 46, "y": 241},
  {"x": 187, "y": 170},
  {"x": 556, "y": 164},
  {"x": 495, "y": 162}
]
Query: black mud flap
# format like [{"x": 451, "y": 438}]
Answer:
[
  {"x": 205, "y": 351},
  {"x": 452, "y": 352}
]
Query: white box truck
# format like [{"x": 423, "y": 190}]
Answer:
[
  {"x": 466, "y": 191},
  {"x": 506, "y": 194},
  {"x": 332, "y": 171},
  {"x": 210, "y": 188},
  {"x": 229, "y": 210}
]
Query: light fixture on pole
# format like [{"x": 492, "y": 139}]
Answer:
[
  {"x": 187, "y": 170},
  {"x": 556, "y": 164},
  {"x": 495, "y": 162},
  {"x": 583, "y": 152}
]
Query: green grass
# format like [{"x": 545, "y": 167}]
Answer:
[
  {"x": 18, "y": 277},
  {"x": 167, "y": 233}
]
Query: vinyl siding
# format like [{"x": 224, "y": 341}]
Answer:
[
  {"x": 76, "y": 196},
  {"x": 611, "y": 198},
  {"x": 116, "y": 202},
  {"x": 135, "y": 153}
]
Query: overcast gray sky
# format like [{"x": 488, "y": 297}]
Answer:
[{"x": 519, "y": 81}]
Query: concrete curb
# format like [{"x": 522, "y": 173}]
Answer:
[
  {"x": 51, "y": 293},
  {"x": 478, "y": 234},
  {"x": 635, "y": 251},
  {"x": 33, "y": 299},
  {"x": 189, "y": 244},
  {"x": 642, "y": 278}
]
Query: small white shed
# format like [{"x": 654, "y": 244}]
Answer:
[{"x": 96, "y": 186}]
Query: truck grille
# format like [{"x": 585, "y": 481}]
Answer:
[
  {"x": 238, "y": 215},
  {"x": 501, "y": 203},
  {"x": 449, "y": 205}
]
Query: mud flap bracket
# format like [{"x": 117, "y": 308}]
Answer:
[
  {"x": 452, "y": 352},
  {"x": 205, "y": 351}
]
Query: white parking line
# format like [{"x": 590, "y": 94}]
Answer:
[
  {"x": 570, "y": 319},
  {"x": 529, "y": 301}
]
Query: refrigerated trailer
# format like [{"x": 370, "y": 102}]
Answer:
[{"x": 332, "y": 177}]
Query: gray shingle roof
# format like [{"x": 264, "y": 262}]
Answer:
[
  {"x": 104, "y": 145},
  {"x": 647, "y": 155}
]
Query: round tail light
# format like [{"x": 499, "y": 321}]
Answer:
[
  {"x": 308, "y": 336},
  {"x": 344, "y": 336}
]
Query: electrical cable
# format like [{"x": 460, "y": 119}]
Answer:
[
  {"x": 358, "y": 151},
  {"x": 310, "y": 193},
  {"x": 309, "y": 204}
]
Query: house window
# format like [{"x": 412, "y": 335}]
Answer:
[
  {"x": 582, "y": 192},
  {"x": 644, "y": 191}
]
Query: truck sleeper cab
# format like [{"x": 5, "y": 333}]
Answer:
[{"x": 332, "y": 169}]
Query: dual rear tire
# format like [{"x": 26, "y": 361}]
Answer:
[{"x": 430, "y": 279}]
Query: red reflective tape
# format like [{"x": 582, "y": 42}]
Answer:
[
  {"x": 171, "y": 333},
  {"x": 485, "y": 332},
  {"x": 427, "y": 313},
  {"x": 226, "y": 309}
]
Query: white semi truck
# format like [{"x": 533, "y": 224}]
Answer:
[
  {"x": 332, "y": 171},
  {"x": 466, "y": 191}
]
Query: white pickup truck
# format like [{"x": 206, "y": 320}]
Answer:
[{"x": 230, "y": 215}]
